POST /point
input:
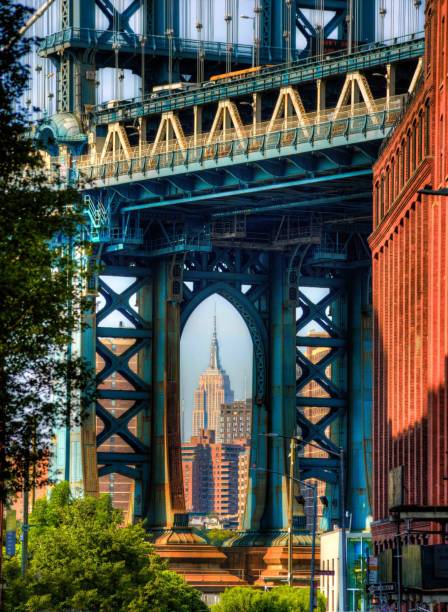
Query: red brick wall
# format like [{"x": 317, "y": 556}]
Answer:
[
  {"x": 438, "y": 284},
  {"x": 410, "y": 291}
]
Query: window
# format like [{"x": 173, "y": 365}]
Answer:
[
  {"x": 428, "y": 42},
  {"x": 427, "y": 127},
  {"x": 414, "y": 147},
  {"x": 392, "y": 180},
  {"x": 385, "y": 190},
  {"x": 408, "y": 157},
  {"x": 420, "y": 138},
  {"x": 442, "y": 63},
  {"x": 402, "y": 166}
]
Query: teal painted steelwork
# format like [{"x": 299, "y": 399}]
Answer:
[
  {"x": 297, "y": 143},
  {"x": 253, "y": 307},
  {"x": 303, "y": 71},
  {"x": 74, "y": 90},
  {"x": 158, "y": 517},
  {"x": 136, "y": 463},
  {"x": 359, "y": 451},
  {"x": 130, "y": 42},
  {"x": 310, "y": 170},
  {"x": 249, "y": 190}
]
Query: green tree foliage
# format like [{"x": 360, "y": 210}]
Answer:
[
  {"x": 167, "y": 592},
  {"x": 279, "y": 599},
  {"x": 82, "y": 558},
  {"x": 216, "y": 537},
  {"x": 40, "y": 303}
]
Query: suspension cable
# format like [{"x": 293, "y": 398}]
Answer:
[
  {"x": 169, "y": 33},
  {"x": 229, "y": 34},
  {"x": 142, "y": 43},
  {"x": 257, "y": 31},
  {"x": 200, "y": 51}
]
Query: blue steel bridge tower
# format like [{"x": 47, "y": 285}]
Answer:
[{"x": 258, "y": 190}]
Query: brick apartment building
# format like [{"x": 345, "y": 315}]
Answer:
[
  {"x": 119, "y": 487},
  {"x": 235, "y": 421},
  {"x": 211, "y": 475},
  {"x": 410, "y": 298}
]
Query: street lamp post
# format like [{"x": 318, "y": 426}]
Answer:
[
  {"x": 314, "y": 529},
  {"x": 254, "y": 36},
  {"x": 341, "y": 455},
  {"x": 292, "y": 450},
  {"x": 313, "y": 545}
]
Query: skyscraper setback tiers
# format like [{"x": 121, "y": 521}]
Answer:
[
  {"x": 215, "y": 461},
  {"x": 213, "y": 390}
]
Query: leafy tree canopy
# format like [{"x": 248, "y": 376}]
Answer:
[
  {"x": 216, "y": 537},
  {"x": 279, "y": 599},
  {"x": 40, "y": 288},
  {"x": 82, "y": 558}
]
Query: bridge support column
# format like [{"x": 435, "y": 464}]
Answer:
[
  {"x": 167, "y": 506},
  {"x": 88, "y": 429},
  {"x": 359, "y": 450},
  {"x": 281, "y": 406}
]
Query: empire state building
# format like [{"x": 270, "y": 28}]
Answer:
[{"x": 212, "y": 391}]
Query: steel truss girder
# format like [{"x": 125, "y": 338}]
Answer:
[
  {"x": 306, "y": 161},
  {"x": 321, "y": 371},
  {"x": 135, "y": 463},
  {"x": 370, "y": 57}
]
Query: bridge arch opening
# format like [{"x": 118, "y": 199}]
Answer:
[{"x": 216, "y": 385}]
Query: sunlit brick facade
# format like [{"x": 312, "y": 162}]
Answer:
[
  {"x": 410, "y": 297},
  {"x": 118, "y": 486},
  {"x": 212, "y": 480}
]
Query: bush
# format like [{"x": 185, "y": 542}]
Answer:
[{"x": 279, "y": 599}]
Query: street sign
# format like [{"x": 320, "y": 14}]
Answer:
[
  {"x": 11, "y": 526},
  {"x": 372, "y": 570},
  {"x": 383, "y": 587},
  {"x": 10, "y": 543}
]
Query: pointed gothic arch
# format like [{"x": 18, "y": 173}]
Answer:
[{"x": 257, "y": 481}]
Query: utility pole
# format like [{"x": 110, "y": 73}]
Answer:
[
  {"x": 292, "y": 451},
  {"x": 313, "y": 546},
  {"x": 343, "y": 530},
  {"x": 25, "y": 528}
]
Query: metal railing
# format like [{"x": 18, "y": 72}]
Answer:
[
  {"x": 325, "y": 126},
  {"x": 282, "y": 75},
  {"x": 89, "y": 37}
]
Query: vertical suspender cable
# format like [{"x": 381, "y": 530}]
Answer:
[
  {"x": 417, "y": 4},
  {"x": 169, "y": 33},
  {"x": 228, "y": 20},
  {"x": 382, "y": 16},
  {"x": 392, "y": 20},
  {"x": 200, "y": 51},
  {"x": 350, "y": 26},
  {"x": 143, "y": 20},
  {"x": 236, "y": 19},
  {"x": 257, "y": 26},
  {"x": 287, "y": 28}
]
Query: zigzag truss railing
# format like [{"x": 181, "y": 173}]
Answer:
[{"x": 243, "y": 139}]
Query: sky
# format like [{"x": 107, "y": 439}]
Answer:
[{"x": 397, "y": 22}]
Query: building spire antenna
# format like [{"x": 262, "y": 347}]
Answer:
[{"x": 214, "y": 348}]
